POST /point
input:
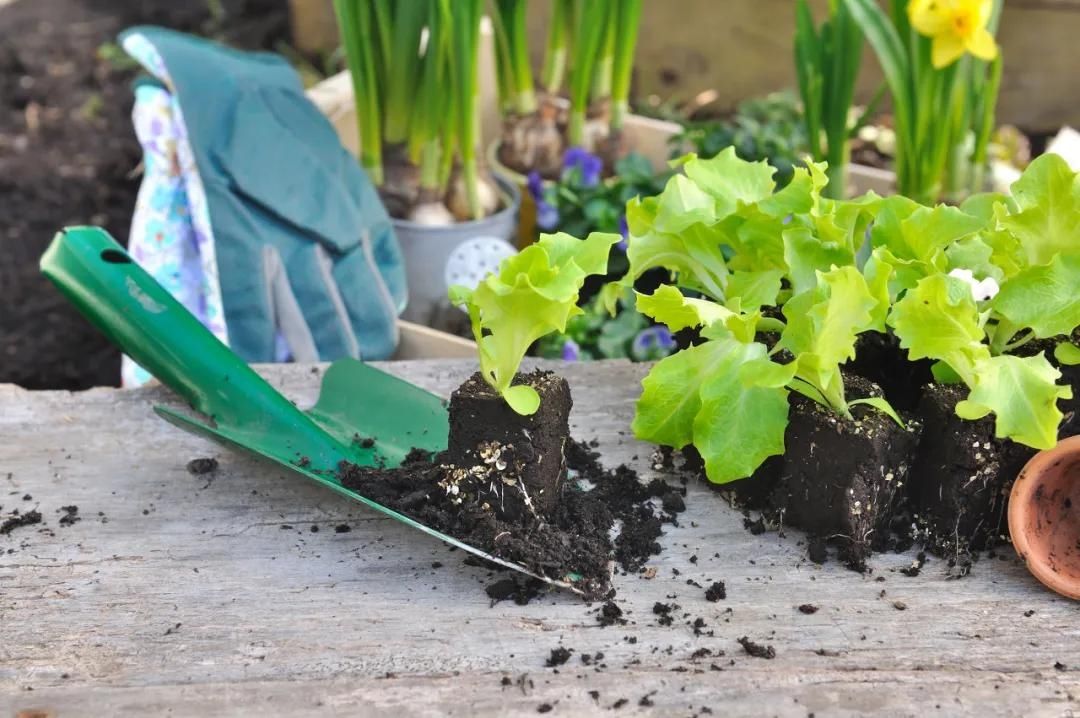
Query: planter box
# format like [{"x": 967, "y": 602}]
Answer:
[{"x": 863, "y": 179}]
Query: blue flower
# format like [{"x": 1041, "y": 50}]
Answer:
[
  {"x": 547, "y": 214},
  {"x": 624, "y": 230},
  {"x": 652, "y": 343},
  {"x": 535, "y": 184},
  {"x": 571, "y": 351},
  {"x": 587, "y": 165}
]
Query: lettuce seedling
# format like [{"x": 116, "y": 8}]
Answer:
[
  {"x": 1028, "y": 245},
  {"x": 533, "y": 293},
  {"x": 728, "y": 237},
  {"x": 726, "y": 396}
]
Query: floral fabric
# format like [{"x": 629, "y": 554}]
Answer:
[{"x": 171, "y": 236}]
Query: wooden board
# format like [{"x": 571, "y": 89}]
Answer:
[{"x": 187, "y": 596}]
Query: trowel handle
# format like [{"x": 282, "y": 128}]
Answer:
[{"x": 95, "y": 273}]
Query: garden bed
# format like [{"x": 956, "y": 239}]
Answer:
[{"x": 68, "y": 155}]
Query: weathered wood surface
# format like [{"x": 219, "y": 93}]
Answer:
[{"x": 193, "y": 600}]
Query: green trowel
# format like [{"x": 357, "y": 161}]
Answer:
[{"x": 235, "y": 406}]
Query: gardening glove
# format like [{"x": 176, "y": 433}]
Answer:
[{"x": 252, "y": 213}]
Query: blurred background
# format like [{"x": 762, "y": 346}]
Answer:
[{"x": 68, "y": 154}]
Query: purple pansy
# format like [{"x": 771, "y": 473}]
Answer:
[
  {"x": 547, "y": 214},
  {"x": 652, "y": 343},
  {"x": 587, "y": 164},
  {"x": 624, "y": 230},
  {"x": 571, "y": 351}
]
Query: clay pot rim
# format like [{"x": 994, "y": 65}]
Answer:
[{"x": 1020, "y": 503}]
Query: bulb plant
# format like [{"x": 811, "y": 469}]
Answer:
[
  {"x": 589, "y": 55},
  {"x": 414, "y": 73},
  {"x": 943, "y": 69},
  {"x": 827, "y": 64}
]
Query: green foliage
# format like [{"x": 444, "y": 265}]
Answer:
[
  {"x": 533, "y": 293},
  {"x": 735, "y": 247}
]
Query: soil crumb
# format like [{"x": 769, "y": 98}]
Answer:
[
  {"x": 756, "y": 649},
  {"x": 558, "y": 656},
  {"x": 71, "y": 515},
  {"x": 27, "y": 519},
  {"x": 199, "y": 467},
  {"x": 716, "y": 592}
]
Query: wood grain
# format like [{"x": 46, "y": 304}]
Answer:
[{"x": 192, "y": 599}]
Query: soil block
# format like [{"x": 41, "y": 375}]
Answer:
[
  {"x": 841, "y": 478},
  {"x": 960, "y": 482},
  {"x": 525, "y": 451}
]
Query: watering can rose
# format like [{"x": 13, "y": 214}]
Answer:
[{"x": 956, "y": 27}]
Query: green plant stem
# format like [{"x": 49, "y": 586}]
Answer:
[
  {"x": 557, "y": 50},
  {"x": 588, "y": 36},
  {"x": 627, "y": 19},
  {"x": 1013, "y": 346},
  {"x": 403, "y": 71},
  {"x": 1003, "y": 332},
  {"x": 465, "y": 43},
  {"x": 601, "y": 80},
  {"x": 356, "y": 23}
]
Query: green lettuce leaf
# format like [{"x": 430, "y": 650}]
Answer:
[
  {"x": 694, "y": 254},
  {"x": 532, "y": 294},
  {"x": 807, "y": 254},
  {"x": 1044, "y": 298},
  {"x": 1067, "y": 354},
  {"x": 822, "y": 326},
  {"x": 699, "y": 396},
  {"x": 669, "y": 306},
  {"x": 1048, "y": 220},
  {"x": 754, "y": 289},
  {"x": 734, "y": 182},
  {"x": 939, "y": 320},
  {"x": 1022, "y": 393}
]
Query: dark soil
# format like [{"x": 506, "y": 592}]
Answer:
[
  {"x": 19, "y": 520},
  {"x": 205, "y": 465},
  {"x": 716, "y": 592},
  {"x": 962, "y": 476},
  {"x": 68, "y": 155},
  {"x": 879, "y": 358},
  {"x": 841, "y": 478},
  {"x": 466, "y": 499},
  {"x": 757, "y": 650}
]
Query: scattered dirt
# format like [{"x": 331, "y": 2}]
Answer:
[
  {"x": 808, "y": 608},
  {"x": 71, "y": 515},
  {"x": 68, "y": 155},
  {"x": 486, "y": 490},
  {"x": 558, "y": 656},
  {"x": 19, "y": 520},
  {"x": 757, "y": 650},
  {"x": 199, "y": 467},
  {"x": 716, "y": 592}
]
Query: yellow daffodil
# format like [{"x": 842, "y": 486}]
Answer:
[{"x": 956, "y": 27}]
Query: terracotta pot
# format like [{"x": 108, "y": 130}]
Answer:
[{"x": 1044, "y": 516}]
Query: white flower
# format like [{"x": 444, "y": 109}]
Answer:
[{"x": 981, "y": 290}]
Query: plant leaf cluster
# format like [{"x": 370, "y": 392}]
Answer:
[{"x": 781, "y": 283}]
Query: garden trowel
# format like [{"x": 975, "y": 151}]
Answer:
[{"x": 235, "y": 406}]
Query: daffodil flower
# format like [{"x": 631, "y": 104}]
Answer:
[{"x": 956, "y": 27}]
